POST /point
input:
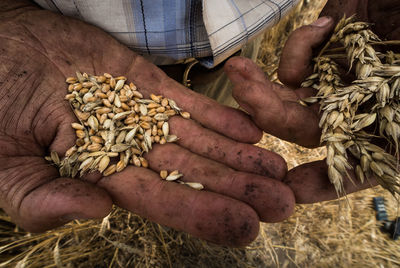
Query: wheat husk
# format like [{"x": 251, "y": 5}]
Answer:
[{"x": 351, "y": 113}]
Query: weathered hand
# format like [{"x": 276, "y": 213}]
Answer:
[
  {"x": 275, "y": 108},
  {"x": 39, "y": 49}
]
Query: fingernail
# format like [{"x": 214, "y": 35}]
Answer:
[{"x": 322, "y": 22}]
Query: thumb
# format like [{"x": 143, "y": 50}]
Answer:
[{"x": 295, "y": 63}]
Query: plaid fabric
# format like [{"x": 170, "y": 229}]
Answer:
[{"x": 166, "y": 31}]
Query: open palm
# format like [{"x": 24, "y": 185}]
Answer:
[{"x": 39, "y": 50}]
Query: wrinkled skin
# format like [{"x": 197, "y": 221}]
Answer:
[
  {"x": 275, "y": 108},
  {"x": 39, "y": 49}
]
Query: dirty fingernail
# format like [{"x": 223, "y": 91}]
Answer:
[{"x": 322, "y": 22}]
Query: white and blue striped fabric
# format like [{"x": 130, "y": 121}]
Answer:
[{"x": 166, "y": 31}]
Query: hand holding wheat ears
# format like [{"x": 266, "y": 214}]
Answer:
[
  {"x": 277, "y": 109},
  {"x": 367, "y": 109},
  {"x": 39, "y": 50}
]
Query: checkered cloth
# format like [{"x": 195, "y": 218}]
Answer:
[{"x": 166, "y": 31}]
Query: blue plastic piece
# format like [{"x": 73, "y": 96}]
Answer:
[{"x": 379, "y": 205}]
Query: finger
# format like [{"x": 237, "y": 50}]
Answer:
[
  {"x": 272, "y": 200},
  {"x": 209, "y": 113},
  {"x": 295, "y": 63},
  {"x": 204, "y": 214},
  {"x": 239, "y": 156},
  {"x": 34, "y": 196},
  {"x": 241, "y": 69},
  {"x": 310, "y": 183},
  {"x": 276, "y": 110},
  {"x": 60, "y": 201}
]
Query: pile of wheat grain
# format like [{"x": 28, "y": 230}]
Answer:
[{"x": 116, "y": 127}]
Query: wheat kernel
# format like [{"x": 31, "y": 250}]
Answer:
[
  {"x": 185, "y": 115},
  {"x": 80, "y": 134},
  {"x": 110, "y": 170},
  {"x": 143, "y": 162},
  {"x": 163, "y": 174}
]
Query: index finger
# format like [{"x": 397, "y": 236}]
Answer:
[{"x": 225, "y": 120}]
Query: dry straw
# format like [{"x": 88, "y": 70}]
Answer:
[{"x": 356, "y": 117}]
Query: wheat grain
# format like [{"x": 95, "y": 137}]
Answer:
[{"x": 114, "y": 121}]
